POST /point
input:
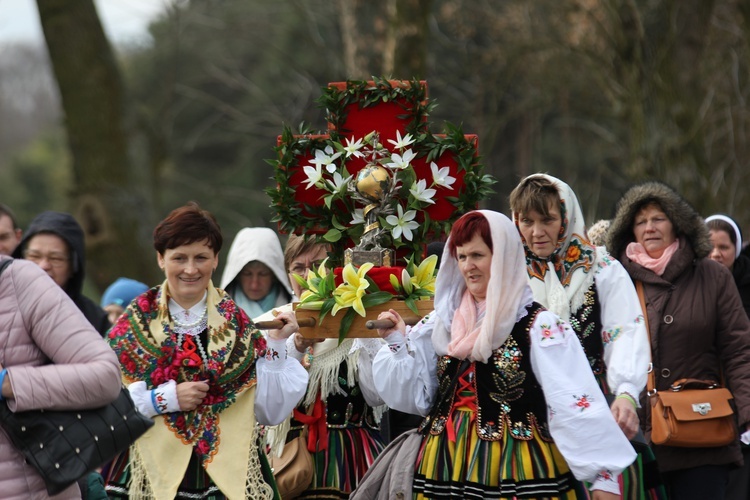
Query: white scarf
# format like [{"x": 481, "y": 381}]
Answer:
[
  {"x": 560, "y": 281},
  {"x": 508, "y": 292}
]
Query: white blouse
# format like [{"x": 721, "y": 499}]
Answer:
[
  {"x": 626, "y": 350},
  {"x": 580, "y": 422}
]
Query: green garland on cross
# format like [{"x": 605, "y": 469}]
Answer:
[{"x": 335, "y": 220}]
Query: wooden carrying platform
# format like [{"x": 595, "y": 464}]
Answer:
[{"x": 330, "y": 326}]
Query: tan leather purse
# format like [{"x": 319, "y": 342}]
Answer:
[
  {"x": 692, "y": 413},
  {"x": 293, "y": 470}
]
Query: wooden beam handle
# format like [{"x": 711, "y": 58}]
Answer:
[
  {"x": 375, "y": 324},
  {"x": 275, "y": 324}
]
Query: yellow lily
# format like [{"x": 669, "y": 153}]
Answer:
[
  {"x": 406, "y": 282},
  {"x": 424, "y": 275},
  {"x": 350, "y": 293}
]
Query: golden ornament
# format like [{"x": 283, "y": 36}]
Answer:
[{"x": 373, "y": 181}]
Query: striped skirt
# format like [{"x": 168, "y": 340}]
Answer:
[
  {"x": 339, "y": 468},
  {"x": 507, "y": 469},
  {"x": 196, "y": 483}
]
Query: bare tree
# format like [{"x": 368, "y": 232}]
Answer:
[{"x": 93, "y": 101}]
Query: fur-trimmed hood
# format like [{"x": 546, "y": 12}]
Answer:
[{"x": 684, "y": 218}]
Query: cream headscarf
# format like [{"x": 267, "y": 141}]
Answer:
[
  {"x": 508, "y": 291},
  {"x": 560, "y": 281}
]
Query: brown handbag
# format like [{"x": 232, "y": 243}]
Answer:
[
  {"x": 692, "y": 413},
  {"x": 293, "y": 470}
]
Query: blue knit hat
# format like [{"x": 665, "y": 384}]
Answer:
[{"x": 122, "y": 291}]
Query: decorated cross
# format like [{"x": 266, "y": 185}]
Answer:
[{"x": 378, "y": 168}]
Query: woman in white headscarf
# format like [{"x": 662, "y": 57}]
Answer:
[
  {"x": 254, "y": 275},
  {"x": 512, "y": 408},
  {"x": 585, "y": 286}
]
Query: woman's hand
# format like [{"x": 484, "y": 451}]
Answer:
[
  {"x": 604, "y": 495},
  {"x": 191, "y": 394},
  {"x": 301, "y": 343},
  {"x": 625, "y": 416},
  {"x": 398, "y": 323},
  {"x": 290, "y": 326}
]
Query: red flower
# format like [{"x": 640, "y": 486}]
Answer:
[
  {"x": 203, "y": 447},
  {"x": 143, "y": 303}
]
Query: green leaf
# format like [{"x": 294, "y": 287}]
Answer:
[
  {"x": 335, "y": 223},
  {"x": 327, "y": 306},
  {"x": 300, "y": 281},
  {"x": 346, "y": 324},
  {"x": 375, "y": 299},
  {"x": 332, "y": 235},
  {"x": 411, "y": 304}
]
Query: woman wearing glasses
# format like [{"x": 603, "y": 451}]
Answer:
[{"x": 54, "y": 241}]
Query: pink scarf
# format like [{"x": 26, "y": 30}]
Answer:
[
  {"x": 638, "y": 254},
  {"x": 467, "y": 323}
]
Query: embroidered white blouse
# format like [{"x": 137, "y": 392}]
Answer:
[
  {"x": 596, "y": 450},
  {"x": 626, "y": 351},
  {"x": 281, "y": 381}
]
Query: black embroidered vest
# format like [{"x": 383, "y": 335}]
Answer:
[
  {"x": 347, "y": 410},
  {"x": 587, "y": 323},
  {"x": 507, "y": 393}
]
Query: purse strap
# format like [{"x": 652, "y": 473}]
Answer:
[
  {"x": 5, "y": 264},
  {"x": 651, "y": 381}
]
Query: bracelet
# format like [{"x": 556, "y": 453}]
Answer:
[
  {"x": 630, "y": 398},
  {"x": 3, "y": 373}
]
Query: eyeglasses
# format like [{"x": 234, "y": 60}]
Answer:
[
  {"x": 54, "y": 259},
  {"x": 301, "y": 268}
]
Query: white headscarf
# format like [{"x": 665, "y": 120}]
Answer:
[
  {"x": 560, "y": 281},
  {"x": 508, "y": 292},
  {"x": 737, "y": 233}
]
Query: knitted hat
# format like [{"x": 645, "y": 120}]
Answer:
[
  {"x": 598, "y": 232},
  {"x": 122, "y": 292}
]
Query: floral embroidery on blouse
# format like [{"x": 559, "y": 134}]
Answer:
[
  {"x": 271, "y": 354},
  {"x": 639, "y": 319},
  {"x": 582, "y": 402},
  {"x": 547, "y": 333},
  {"x": 611, "y": 335},
  {"x": 605, "y": 475},
  {"x": 605, "y": 260}
]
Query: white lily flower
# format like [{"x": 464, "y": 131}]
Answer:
[
  {"x": 401, "y": 143},
  {"x": 440, "y": 176},
  {"x": 359, "y": 216},
  {"x": 403, "y": 223},
  {"x": 420, "y": 192},
  {"x": 314, "y": 175},
  {"x": 339, "y": 183},
  {"x": 352, "y": 148},
  {"x": 399, "y": 162},
  {"x": 326, "y": 158}
]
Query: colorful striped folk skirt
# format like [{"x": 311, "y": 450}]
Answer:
[
  {"x": 338, "y": 469},
  {"x": 196, "y": 483},
  {"x": 476, "y": 469}
]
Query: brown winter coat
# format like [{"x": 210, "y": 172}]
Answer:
[
  {"x": 40, "y": 325},
  {"x": 696, "y": 319}
]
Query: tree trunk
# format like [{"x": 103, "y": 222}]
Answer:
[
  {"x": 405, "y": 56},
  {"x": 93, "y": 102}
]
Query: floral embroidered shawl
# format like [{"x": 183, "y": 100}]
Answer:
[
  {"x": 147, "y": 349},
  {"x": 562, "y": 292}
]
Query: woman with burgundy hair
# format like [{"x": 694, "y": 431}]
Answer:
[
  {"x": 194, "y": 362},
  {"x": 511, "y": 408}
]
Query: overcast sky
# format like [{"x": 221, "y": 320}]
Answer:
[{"x": 125, "y": 21}]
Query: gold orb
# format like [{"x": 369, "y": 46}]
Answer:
[{"x": 373, "y": 181}]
